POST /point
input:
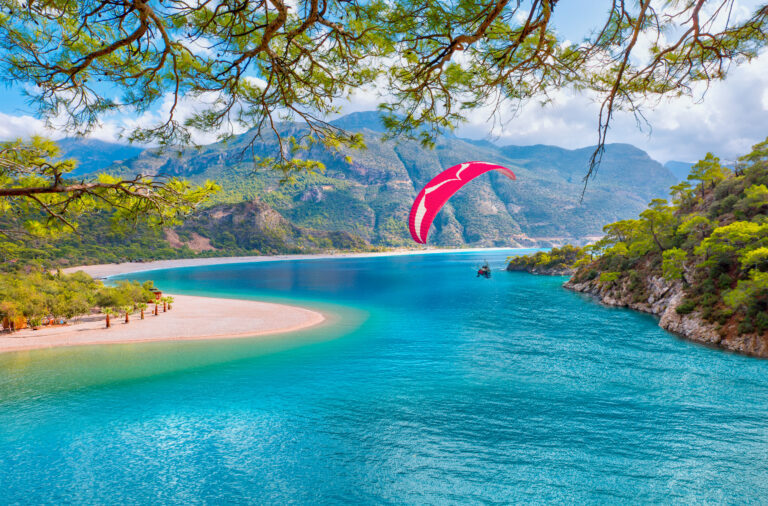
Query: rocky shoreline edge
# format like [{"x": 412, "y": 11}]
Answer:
[{"x": 662, "y": 301}]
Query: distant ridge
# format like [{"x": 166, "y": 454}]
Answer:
[
  {"x": 679, "y": 169},
  {"x": 356, "y": 121},
  {"x": 93, "y": 154},
  {"x": 369, "y": 192}
]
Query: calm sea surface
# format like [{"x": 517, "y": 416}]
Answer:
[{"x": 428, "y": 385}]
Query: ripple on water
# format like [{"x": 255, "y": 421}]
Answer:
[{"x": 444, "y": 388}]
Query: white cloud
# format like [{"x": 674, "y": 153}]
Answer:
[
  {"x": 113, "y": 127},
  {"x": 256, "y": 81},
  {"x": 728, "y": 120},
  {"x": 12, "y": 127},
  {"x": 731, "y": 117}
]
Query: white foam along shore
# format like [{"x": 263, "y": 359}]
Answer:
[
  {"x": 192, "y": 318},
  {"x": 107, "y": 270}
]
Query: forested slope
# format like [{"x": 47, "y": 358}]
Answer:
[{"x": 699, "y": 260}]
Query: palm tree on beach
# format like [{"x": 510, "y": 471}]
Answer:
[
  {"x": 108, "y": 311},
  {"x": 170, "y": 301},
  {"x": 127, "y": 310},
  {"x": 164, "y": 300},
  {"x": 9, "y": 312},
  {"x": 142, "y": 306}
]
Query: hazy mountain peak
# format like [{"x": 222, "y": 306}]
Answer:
[
  {"x": 93, "y": 154},
  {"x": 364, "y": 120}
]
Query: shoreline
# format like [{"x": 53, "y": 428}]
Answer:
[
  {"x": 192, "y": 318},
  {"x": 662, "y": 302},
  {"x": 102, "y": 271}
]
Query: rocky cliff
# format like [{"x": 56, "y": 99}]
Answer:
[
  {"x": 655, "y": 295},
  {"x": 698, "y": 261}
]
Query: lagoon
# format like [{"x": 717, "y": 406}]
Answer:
[{"x": 428, "y": 385}]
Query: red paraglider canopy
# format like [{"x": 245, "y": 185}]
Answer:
[{"x": 437, "y": 192}]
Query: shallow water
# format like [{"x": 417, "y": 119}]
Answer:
[{"x": 428, "y": 386}]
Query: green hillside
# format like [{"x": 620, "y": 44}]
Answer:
[
  {"x": 246, "y": 228},
  {"x": 369, "y": 194},
  {"x": 700, "y": 260}
]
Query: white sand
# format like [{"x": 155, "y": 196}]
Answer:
[
  {"x": 106, "y": 270},
  {"x": 191, "y": 318}
]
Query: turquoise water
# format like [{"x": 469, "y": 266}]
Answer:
[{"x": 427, "y": 386}]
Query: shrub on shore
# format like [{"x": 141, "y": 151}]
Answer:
[
  {"x": 555, "y": 260},
  {"x": 39, "y": 296}
]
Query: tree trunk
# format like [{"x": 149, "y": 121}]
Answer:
[
  {"x": 142, "y": 314},
  {"x": 155, "y": 309},
  {"x": 126, "y": 317},
  {"x": 656, "y": 239},
  {"x": 107, "y": 320},
  {"x": 165, "y": 307}
]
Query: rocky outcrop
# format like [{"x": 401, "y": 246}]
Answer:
[
  {"x": 659, "y": 297},
  {"x": 255, "y": 226},
  {"x": 313, "y": 194},
  {"x": 196, "y": 242},
  {"x": 555, "y": 262}
]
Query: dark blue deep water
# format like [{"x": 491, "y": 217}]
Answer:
[{"x": 427, "y": 386}]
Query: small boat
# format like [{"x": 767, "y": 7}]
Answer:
[{"x": 484, "y": 271}]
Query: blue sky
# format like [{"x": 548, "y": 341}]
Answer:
[{"x": 732, "y": 116}]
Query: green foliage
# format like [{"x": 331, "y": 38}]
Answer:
[
  {"x": 658, "y": 222},
  {"x": 609, "y": 277},
  {"x": 686, "y": 307},
  {"x": 748, "y": 290},
  {"x": 673, "y": 265},
  {"x": 708, "y": 172},
  {"x": 38, "y": 199},
  {"x": 124, "y": 294},
  {"x": 761, "y": 321},
  {"x": 755, "y": 258},
  {"x": 755, "y": 197},
  {"x": 555, "y": 260},
  {"x": 695, "y": 225},
  {"x": 257, "y": 63},
  {"x": 233, "y": 230},
  {"x": 737, "y": 238},
  {"x": 39, "y": 295},
  {"x": 723, "y": 261}
]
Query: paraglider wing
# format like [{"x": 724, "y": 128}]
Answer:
[{"x": 437, "y": 192}]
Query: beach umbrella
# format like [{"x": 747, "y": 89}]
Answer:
[{"x": 440, "y": 189}]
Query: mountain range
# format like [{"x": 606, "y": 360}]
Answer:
[
  {"x": 368, "y": 192},
  {"x": 94, "y": 155}
]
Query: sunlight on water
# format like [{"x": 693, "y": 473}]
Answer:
[{"x": 429, "y": 386}]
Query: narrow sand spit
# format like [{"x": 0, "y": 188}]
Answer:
[
  {"x": 106, "y": 270},
  {"x": 191, "y": 318}
]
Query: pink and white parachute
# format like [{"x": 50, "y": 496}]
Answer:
[{"x": 440, "y": 189}]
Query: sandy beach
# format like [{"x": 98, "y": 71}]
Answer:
[
  {"x": 192, "y": 318},
  {"x": 106, "y": 270}
]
